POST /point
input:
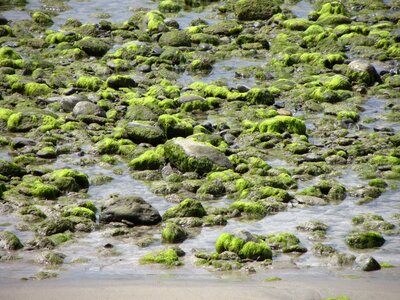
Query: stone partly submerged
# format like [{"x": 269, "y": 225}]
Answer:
[
  {"x": 188, "y": 155},
  {"x": 131, "y": 210}
]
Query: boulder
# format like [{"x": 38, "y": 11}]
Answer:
[
  {"x": 9, "y": 241},
  {"x": 188, "y": 155},
  {"x": 129, "y": 209}
]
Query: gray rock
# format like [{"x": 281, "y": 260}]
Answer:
[
  {"x": 246, "y": 236},
  {"x": 129, "y": 209},
  {"x": 188, "y": 155},
  {"x": 9, "y": 241},
  {"x": 190, "y": 98},
  {"x": 87, "y": 108},
  {"x": 68, "y": 102},
  {"x": 144, "y": 133},
  {"x": 366, "y": 263}
]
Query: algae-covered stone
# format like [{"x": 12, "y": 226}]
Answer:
[
  {"x": 173, "y": 233},
  {"x": 372, "y": 222},
  {"x": 169, "y": 6},
  {"x": 144, "y": 133},
  {"x": 259, "y": 96},
  {"x": 187, "y": 208},
  {"x": 37, "y": 89},
  {"x": 360, "y": 71},
  {"x": 149, "y": 160},
  {"x": 10, "y": 169},
  {"x": 53, "y": 226},
  {"x": 256, "y": 251},
  {"x": 93, "y": 46},
  {"x": 188, "y": 155},
  {"x": 9, "y": 241},
  {"x": 69, "y": 180},
  {"x": 174, "y": 127},
  {"x": 287, "y": 242},
  {"x": 175, "y": 38},
  {"x": 22, "y": 122},
  {"x": 89, "y": 83},
  {"x": 120, "y": 81},
  {"x": 362, "y": 240},
  {"x": 80, "y": 212},
  {"x": 42, "y": 18},
  {"x": 131, "y": 209},
  {"x": 251, "y": 10},
  {"x": 281, "y": 124},
  {"x": 154, "y": 22},
  {"x": 46, "y": 191},
  {"x": 168, "y": 257},
  {"x": 228, "y": 28}
]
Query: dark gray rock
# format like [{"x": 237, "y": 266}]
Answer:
[
  {"x": 366, "y": 263},
  {"x": 132, "y": 210}
]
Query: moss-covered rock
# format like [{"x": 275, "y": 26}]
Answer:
[
  {"x": 53, "y": 226},
  {"x": 37, "y": 89},
  {"x": 168, "y": 257},
  {"x": 154, "y": 22},
  {"x": 22, "y": 122},
  {"x": 187, "y": 208},
  {"x": 173, "y": 233},
  {"x": 259, "y": 96},
  {"x": 42, "y": 18},
  {"x": 9, "y": 241},
  {"x": 93, "y": 46},
  {"x": 174, "y": 127},
  {"x": 285, "y": 241},
  {"x": 225, "y": 28},
  {"x": 175, "y": 38},
  {"x": 120, "y": 81},
  {"x": 281, "y": 124},
  {"x": 372, "y": 222},
  {"x": 362, "y": 72},
  {"x": 188, "y": 155},
  {"x": 169, "y": 6},
  {"x": 69, "y": 180},
  {"x": 9, "y": 169},
  {"x": 251, "y": 10},
  {"x": 43, "y": 190},
  {"x": 89, "y": 83},
  {"x": 80, "y": 212},
  {"x": 144, "y": 133},
  {"x": 150, "y": 160},
  {"x": 362, "y": 240}
]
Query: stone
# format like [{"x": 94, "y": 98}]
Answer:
[
  {"x": 188, "y": 155},
  {"x": 87, "y": 108},
  {"x": 131, "y": 209},
  {"x": 251, "y": 10},
  {"x": 366, "y": 263},
  {"x": 362, "y": 72},
  {"x": 68, "y": 102}
]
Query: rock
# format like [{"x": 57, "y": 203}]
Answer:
[
  {"x": 175, "y": 38},
  {"x": 187, "y": 208},
  {"x": 188, "y": 155},
  {"x": 3, "y": 20},
  {"x": 360, "y": 71},
  {"x": 367, "y": 263},
  {"x": 144, "y": 133},
  {"x": 93, "y": 46},
  {"x": 132, "y": 209},
  {"x": 20, "y": 142},
  {"x": 246, "y": 236},
  {"x": 68, "y": 102},
  {"x": 9, "y": 241},
  {"x": 251, "y": 10},
  {"x": 87, "y": 108},
  {"x": 10, "y": 169},
  {"x": 190, "y": 98},
  {"x": 173, "y": 233},
  {"x": 363, "y": 240}
]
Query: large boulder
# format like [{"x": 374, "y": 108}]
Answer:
[
  {"x": 188, "y": 156},
  {"x": 250, "y": 10},
  {"x": 129, "y": 209}
]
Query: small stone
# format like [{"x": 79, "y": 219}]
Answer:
[{"x": 367, "y": 263}]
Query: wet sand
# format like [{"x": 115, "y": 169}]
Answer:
[{"x": 302, "y": 288}]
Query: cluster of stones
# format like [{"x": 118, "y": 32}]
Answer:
[{"x": 114, "y": 86}]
